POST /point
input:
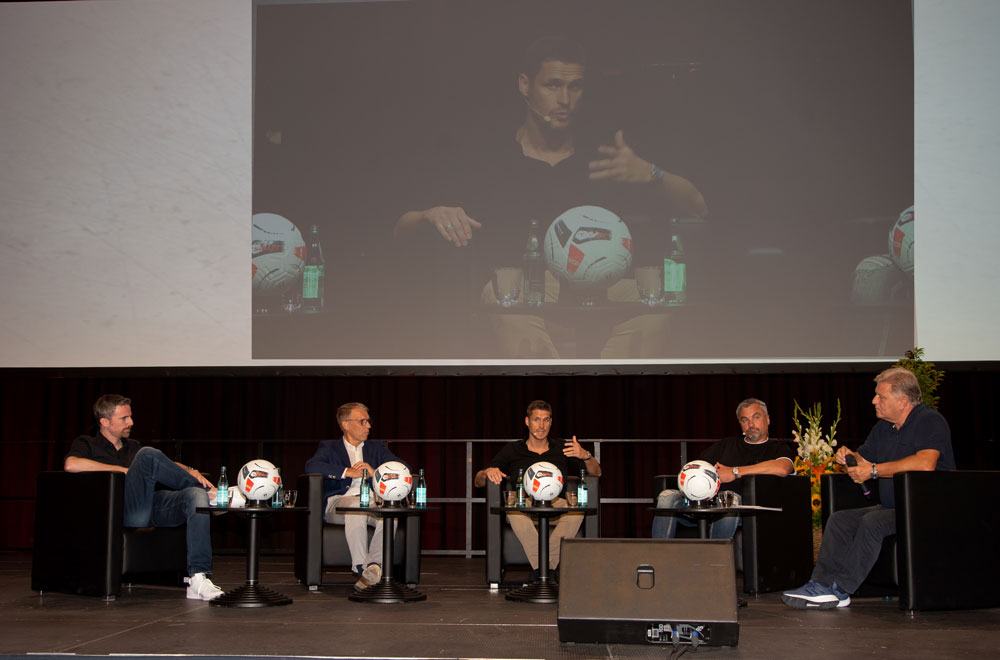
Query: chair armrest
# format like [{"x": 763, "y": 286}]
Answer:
[
  {"x": 592, "y": 524},
  {"x": 78, "y": 532},
  {"x": 494, "y": 535},
  {"x": 946, "y": 527},
  {"x": 777, "y": 547},
  {"x": 840, "y": 492},
  {"x": 309, "y": 530},
  {"x": 663, "y": 482}
]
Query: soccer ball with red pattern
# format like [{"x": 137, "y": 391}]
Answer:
[
  {"x": 277, "y": 254},
  {"x": 258, "y": 480},
  {"x": 543, "y": 481},
  {"x": 901, "y": 241},
  {"x": 588, "y": 247},
  {"x": 392, "y": 481},
  {"x": 698, "y": 480}
]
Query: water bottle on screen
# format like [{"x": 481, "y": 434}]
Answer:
[
  {"x": 534, "y": 268},
  {"x": 279, "y": 495},
  {"x": 222, "y": 490},
  {"x": 675, "y": 273},
  {"x": 581, "y": 490},
  {"x": 421, "y": 490},
  {"x": 520, "y": 487},
  {"x": 313, "y": 275},
  {"x": 366, "y": 495}
]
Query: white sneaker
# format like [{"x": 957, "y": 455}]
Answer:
[
  {"x": 369, "y": 577},
  {"x": 201, "y": 588}
]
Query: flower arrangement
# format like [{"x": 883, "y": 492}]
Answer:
[{"x": 815, "y": 450}]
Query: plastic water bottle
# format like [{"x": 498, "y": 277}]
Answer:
[
  {"x": 366, "y": 495},
  {"x": 534, "y": 268},
  {"x": 222, "y": 490},
  {"x": 581, "y": 490},
  {"x": 279, "y": 495},
  {"x": 313, "y": 275},
  {"x": 421, "y": 490},
  {"x": 520, "y": 488}
]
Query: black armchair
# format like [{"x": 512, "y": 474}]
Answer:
[
  {"x": 502, "y": 547},
  {"x": 773, "y": 550},
  {"x": 319, "y": 544},
  {"x": 946, "y": 527},
  {"x": 81, "y": 546}
]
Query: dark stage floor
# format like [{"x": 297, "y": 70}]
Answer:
[{"x": 461, "y": 618}]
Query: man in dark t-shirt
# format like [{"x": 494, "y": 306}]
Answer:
[
  {"x": 112, "y": 450},
  {"x": 908, "y": 437},
  {"x": 479, "y": 208},
  {"x": 751, "y": 453},
  {"x": 568, "y": 456}
]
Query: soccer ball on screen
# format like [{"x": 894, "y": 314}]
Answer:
[
  {"x": 543, "y": 481},
  {"x": 392, "y": 481},
  {"x": 277, "y": 253},
  {"x": 588, "y": 247},
  {"x": 258, "y": 480},
  {"x": 901, "y": 241},
  {"x": 698, "y": 480}
]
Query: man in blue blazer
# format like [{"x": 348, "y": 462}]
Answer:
[{"x": 342, "y": 462}]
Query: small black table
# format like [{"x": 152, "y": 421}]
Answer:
[
  {"x": 251, "y": 594},
  {"x": 705, "y": 514},
  {"x": 543, "y": 589},
  {"x": 389, "y": 589}
]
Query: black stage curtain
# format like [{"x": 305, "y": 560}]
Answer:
[{"x": 208, "y": 418}]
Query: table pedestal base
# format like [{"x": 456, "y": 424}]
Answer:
[
  {"x": 388, "y": 591},
  {"x": 250, "y": 595},
  {"x": 542, "y": 590}
]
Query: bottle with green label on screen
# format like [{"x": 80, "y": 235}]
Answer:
[
  {"x": 313, "y": 275},
  {"x": 675, "y": 273}
]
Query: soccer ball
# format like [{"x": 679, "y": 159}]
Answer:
[
  {"x": 588, "y": 247},
  {"x": 277, "y": 253},
  {"x": 698, "y": 480},
  {"x": 392, "y": 481},
  {"x": 901, "y": 241},
  {"x": 543, "y": 481},
  {"x": 258, "y": 480}
]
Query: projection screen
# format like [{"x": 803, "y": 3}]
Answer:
[{"x": 143, "y": 142}]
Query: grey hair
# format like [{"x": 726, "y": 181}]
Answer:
[
  {"x": 903, "y": 382},
  {"x": 746, "y": 403}
]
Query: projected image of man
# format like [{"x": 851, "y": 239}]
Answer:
[{"x": 539, "y": 170}]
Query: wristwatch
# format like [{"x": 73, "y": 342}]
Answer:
[
  {"x": 589, "y": 456},
  {"x": 874, "y": 472},
  {"x": 736, "y": 472}
]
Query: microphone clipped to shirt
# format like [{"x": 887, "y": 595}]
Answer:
[{"x": 853, "y": 462}]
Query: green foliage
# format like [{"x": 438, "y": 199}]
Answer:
[{"x": 927, "y": 375}]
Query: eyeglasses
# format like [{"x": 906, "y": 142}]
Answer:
[{"x": 367, "y": 421}]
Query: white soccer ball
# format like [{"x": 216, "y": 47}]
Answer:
[
  {"x": 588, "y": 247},
  {"x": 698, "y": 480},
  {"x": 901, "y": 241},
  {"x": 258, "y": 480},
  {"x": 277, "y": 253},
  {"x": 392, "y": 481},
  {"x": 543, "y": 481}
]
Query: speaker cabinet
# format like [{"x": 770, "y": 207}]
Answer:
[{"x": 641, "y": 591}]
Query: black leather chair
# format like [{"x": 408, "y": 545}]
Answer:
[
  {"x": 947, "y": 524},
  {"x": 773, "y": 550},
  {"x": 320, "y": 545},
  {"x": 502, "y": 547},
  {"x": 81, "y": 546}
]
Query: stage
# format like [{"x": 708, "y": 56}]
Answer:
[{"x": 461, "y": 618}]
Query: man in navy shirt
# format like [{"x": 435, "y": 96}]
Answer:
[{"x": 909, "y": 436}]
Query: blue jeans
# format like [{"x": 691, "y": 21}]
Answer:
[
  {"x": 852, "y": 541},
  {"x": 145, "y": 506},
  {"x": 665, "y": 527}
]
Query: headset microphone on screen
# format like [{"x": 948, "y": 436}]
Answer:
[{"x": 545, "y": 118}]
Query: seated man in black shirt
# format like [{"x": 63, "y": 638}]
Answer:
[
  {"x": 751, "y": 453},
  {"x": 112, "y": 450},
  {"x": 568, "y": 456}
]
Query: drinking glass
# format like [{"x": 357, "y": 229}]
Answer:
[{"x": 290, "y": 497}]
